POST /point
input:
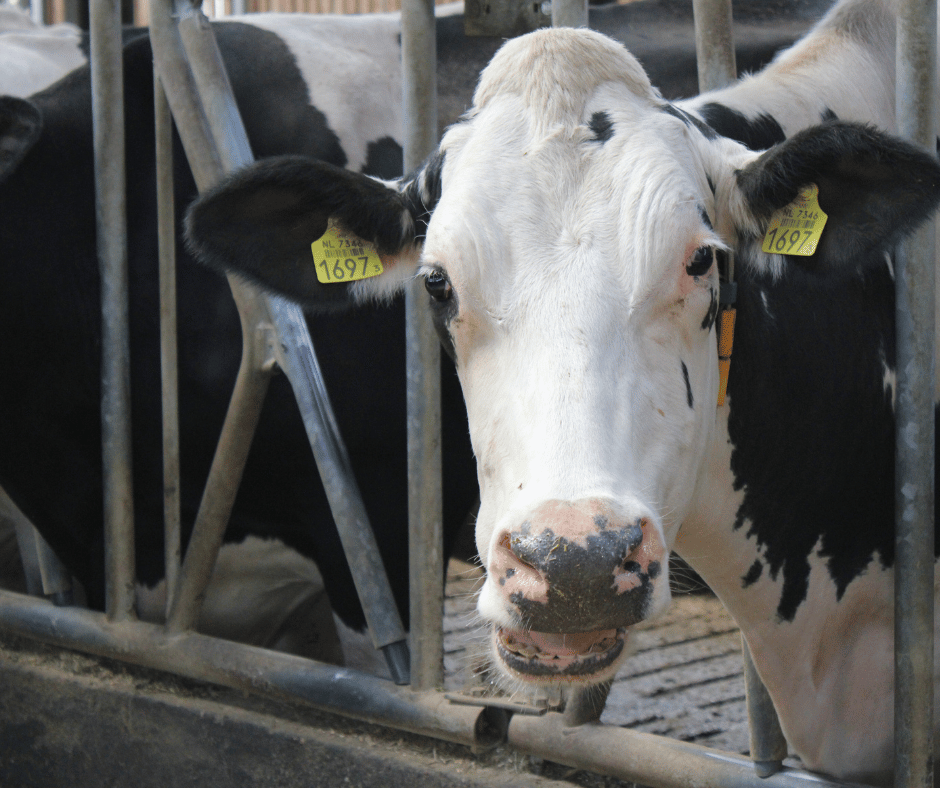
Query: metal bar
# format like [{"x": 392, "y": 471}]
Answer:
[
  {"x": 295, "y": 353},
  {"x": 166, "y": 241},
  {"x": 914, "y": 411},
  {"x": 768, "y": 744},
  {"x": 107, "y": 90},
  {"x": 37, "y": 11},
  {"x": 228, "y": 464},
  {"x": 714, "y": 44},
  {"x": 569, "y": 13},
  {"x": 262, "y": 672},
  {"x": 586, "y": 704},
  {"x": 423, "y": 365},
  {"x": 644, "y": 758}
]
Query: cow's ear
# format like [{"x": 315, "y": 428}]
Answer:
[
  {"x": 260, "y": 223},
  {"x": 20, "y": 127},
  {"x": 874, "y": 187}
]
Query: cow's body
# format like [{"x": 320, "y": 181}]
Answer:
[{"x": 570, "y": 231}]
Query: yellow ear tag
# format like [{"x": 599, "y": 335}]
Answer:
[
  {"x": 340, "y": 257},
  {"x": 796, "y": 228}
]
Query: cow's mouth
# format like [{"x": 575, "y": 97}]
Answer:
[{"x": 557, "y": 656}]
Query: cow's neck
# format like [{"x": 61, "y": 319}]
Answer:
[{"x": 790, "y": 521}]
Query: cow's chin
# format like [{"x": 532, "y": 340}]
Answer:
[{"x": 540, "y": 658}]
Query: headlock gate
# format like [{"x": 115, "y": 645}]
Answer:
[{"x": 193, "y": 87}]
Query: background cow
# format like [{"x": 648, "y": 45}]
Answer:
[
  {"x": 346, "y": 112},
  {"x": 579, "y": 228}
]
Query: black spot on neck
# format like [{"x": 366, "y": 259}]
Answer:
[
  {"x": 602, "y": 126},
  {"x": 753, "y": 574},
  {"x": 812, "y": 425},
  {"x": 757, "y": 133},
  {"x": 688, "y": 386}
]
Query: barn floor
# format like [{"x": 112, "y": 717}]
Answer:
[{"x": 684, "y": 678}]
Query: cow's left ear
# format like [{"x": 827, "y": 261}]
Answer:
[
  {"x": 260, "y": 223},
  {"x": 874, "y": 187}
]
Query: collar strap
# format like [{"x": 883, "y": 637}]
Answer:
[{"x": 727, "y": 297}]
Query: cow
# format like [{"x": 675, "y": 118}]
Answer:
[
  {"x": 302, "y": 88},
  {"x": 573, "y": 231}
]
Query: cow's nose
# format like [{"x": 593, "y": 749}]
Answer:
[{"x": 575, "y": 566}]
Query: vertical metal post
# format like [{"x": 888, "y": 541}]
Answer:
[
  {"x": 569, "y": 13},
  {"x": 166, "y": 241},
  {"x": 914, "y": 456},
  {"x": 37, "y": 11},
  {"x": 425, "y": 507},
  {"x": 714, "y": 44},
  {"x": 107, "y": 87},
  {"x": 768, "y": 745}
]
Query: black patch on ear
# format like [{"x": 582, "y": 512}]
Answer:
[
  {"x": 422, "y": 191},
  {"x": 690, "y": 120},
  {"x": 688, "y": 386},
  {"x": 602, "y": 126},
  {"x": 384, "y": 159},
  {"x": 757, "y": 133},
  {"x": 260, "y": 222},
  {"x": 875, "y": 188},
  {"x": 20, "y": 127},
  {"x": 753, "y": 574}
]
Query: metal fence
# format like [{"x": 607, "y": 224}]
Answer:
[{"x": 193, "y": 88}]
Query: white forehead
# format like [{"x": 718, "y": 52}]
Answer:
[{"x": 531, "y": 196}]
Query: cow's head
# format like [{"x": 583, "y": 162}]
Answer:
[{"x": 569, "y": 233}]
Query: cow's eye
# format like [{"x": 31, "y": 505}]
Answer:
[
  {"x": 701, "y": 261},
  {"x": 437, "y": 284}
]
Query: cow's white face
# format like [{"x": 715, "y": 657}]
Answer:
[{"x": 571, "y": 262}]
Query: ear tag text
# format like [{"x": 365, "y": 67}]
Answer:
[
  {"x": 796, "y": 228},
  {"x": 341, "y": 257}
]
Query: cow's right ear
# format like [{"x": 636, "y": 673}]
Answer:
[
  {"x": 261, "y": 221},
  {"x": 20, "y": 127}
]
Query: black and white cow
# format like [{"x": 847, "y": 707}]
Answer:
[
  {"x": 570, "y": 231},
  {"x": 322, "y": 86}
]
